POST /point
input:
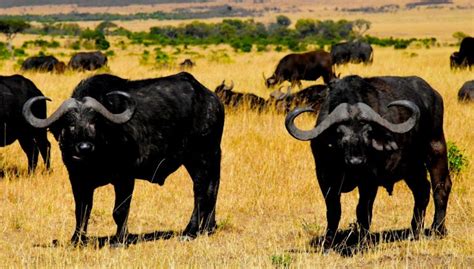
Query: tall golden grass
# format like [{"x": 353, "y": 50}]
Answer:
[{"x": 269, "y": 204}]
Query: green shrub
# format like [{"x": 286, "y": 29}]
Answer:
[
  {"x": 457, "y": 161},
  {"x": 102, "y": 44},
  {"x": 76, "y": 45},
  {"x": 161, "y": 57},
  {"x": 19, "y": 52},
  {"x": 281, "y": 261}
]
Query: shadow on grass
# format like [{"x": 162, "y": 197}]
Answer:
[
  {"x": 102, "y": 241},
  {"x": 10, "y": 172},
  {"x": 350, "y": 242}
]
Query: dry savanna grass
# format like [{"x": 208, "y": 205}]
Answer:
[{"x": 269, "y": 205}]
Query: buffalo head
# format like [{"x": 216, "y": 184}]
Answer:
[
  {"x": 270, "y": 81},
  {"x": 77, "y": 124},
  {"x": 222, "y": 88},
  {"x": 356, "y": 129}
]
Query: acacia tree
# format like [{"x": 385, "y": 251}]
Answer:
[
  {"x": 359, "y": 27},
  {"x": 10, "y": 28}
]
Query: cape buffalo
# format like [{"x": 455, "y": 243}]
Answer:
[
  {"x": 373, "y": 132},
  {"x": 233, "y": 99},
  {"x": 354, "y": 52},
  {"x": 114, "y": 130},
  {"x": 305, "y": 66},
  {"x": 465, "y": 56},
  {"x": 466, "y": 93},
  {"x": 311, "y": 96},
  {"x": 88, "y": 61},
  {"x": 186, "y": 64},
  {"x": 43, "y": 63},
  {"x": 14, "y": 92}
]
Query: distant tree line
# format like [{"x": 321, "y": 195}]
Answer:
[
  {"x": 242, "y": 35},
  {"x": 178, "y": 14}
]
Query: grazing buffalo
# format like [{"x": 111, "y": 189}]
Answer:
[
  {"x": 14, "y": 92},
  {"x": 114, "y": 130},
  {"x": 88, "y": 61},
  {"x": 352, "y": 52},
  {"x": 466, "y": 93},
  {"x": 44, "y": 64},
  {"x": 186, "y": 64},
  {"x": 311, "y": 96},
  {"x": 304, "y": 66},
  {"x": 373, "y": 132},
  {"x": 465, "y": 56},
  {"x": 236, "y": 100}
]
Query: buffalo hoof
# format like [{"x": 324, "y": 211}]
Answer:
[
  {"x": 186, "y": 238},
  {"x": 79, "y": 240},
  {"x": 438, "y": 231}
]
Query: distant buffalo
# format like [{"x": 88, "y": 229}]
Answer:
[
  {"x": 233, "y": 99},
  {"x": 14, "y": 92},
  {"x": 466, "y": 93},
  {"x": 43, "y": 64},
  {"x": 465, "y": 56},
  {"x": 352, "y": 52},
  {"x": 305, "y": 66},
  {"x": 311, "y": 96},
  {"x": 186, "y": 64},
  {"x": 88, "y": 61}
]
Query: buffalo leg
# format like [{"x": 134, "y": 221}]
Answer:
[
  {"x": 83, "y": 198},
  {"x": 440, "y": 183},
  {"x": 367, "y": 196},
  {"x": 123, "y": 196},
  {"x": 205, "y": 172},
  {"x": 333, "y": 214},
  {"x": 420, "y": 187},
  {"x": 44, "y": 148},
  {"x": 29, "y": 147}
]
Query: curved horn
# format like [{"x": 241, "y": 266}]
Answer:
[
  {"x": 339, "y": 114},
  {"x": 115, "y": 118},
  {"x": 43, "y": 123},
  {"x": 231, "y": 85},
  {"x": 367, "y": 113},
  {"x": 263, "y": 74}
]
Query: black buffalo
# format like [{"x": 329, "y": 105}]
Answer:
[
  {"x": 14, "y": 92},
  {"x": 187, "y": 64},
  {"x": 88, "y": 61},
  {"x": 44, "y": 64},
  {"x": 311, "y": 96},
  {"x": 236, "y": 100},
  {"x": 114, "y": 130},
  {"x": 373, "y": 132},
  {"x": 304, "y": 66},
  {"x": 466, "y": 93},
  {"x": 352, "y": 52},
  {"x": 465, "y": 56}
]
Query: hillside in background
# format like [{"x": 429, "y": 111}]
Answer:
[{"x": 16, "y": 3}]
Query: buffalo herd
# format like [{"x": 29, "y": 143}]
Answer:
[
  {"x": 81, "y": 61},
  {"x": 370, "y": 132}
]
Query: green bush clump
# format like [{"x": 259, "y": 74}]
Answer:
[
  {"x": 457, "y": 161},
  {"x": 281, "y": 261},
  {"x": 162, "y": 58}
]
